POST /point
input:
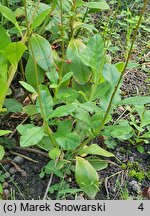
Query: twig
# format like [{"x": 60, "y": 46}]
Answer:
[
  {"x": 36, "y": 151},
  {"x": 106, "y": 181},
  {"x": 49, "y": 182},
  {"x": 23, "y": 172},
  {"x": 23, "y": 156},
  {"x": 16, "y": 127}
]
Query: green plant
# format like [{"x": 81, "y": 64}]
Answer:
[
  {"x": 81, "y": 90},
  {"x": 140, "y": 121},
  {"x": 2, "y": 179}
]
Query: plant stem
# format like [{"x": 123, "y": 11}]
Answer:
[
  {"x": 46, "y": 21},
  {"x": 26, "y": 16},
  {"x": 97, "y": 78},
  {"x": 22, "y": 69},
  {"x": 45, "y": 124},
  {"x": 85, "y": 14},
  {"x": 120, "y": 78},
  {"x": 62, "y": 39},
  {"x": 73, "y": 9},
  {"x": 62, "y": 48},
  {"x": 28, "y": 23},
  {"x": 113, "y": 23}
]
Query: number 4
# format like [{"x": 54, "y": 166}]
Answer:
[{"x": 141, "y": 207}]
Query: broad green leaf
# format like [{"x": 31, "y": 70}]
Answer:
[
  {"x": 4, "y": 132},
  {"x": 30, "y": 110},
  {"x": 63, "y": 110},
  {"x": 54, "y": 153},
  {"x": 89, "y": 106},
  {"x": 105, "y": 99},
  {"x": 86, "y": 177},
  {"x": 27, "y": 86},
  {"x": 82, "y": 115},
  {"x": 65, "y": 138},
  {"x": 140, "y": 110},
  {"x": 35, "y": 9},
  {"x": 140, "y": 149},
  {"x": 40, "y": 18},
  {"x": 101, "y": 5},
  {"x": 31, "y": 136},
  {"x": 22, "y": 128},
  {"x": 138, "y": 100},
  {"x": 94, "y": 54},
  {"x": 121, "y": 131},
  {"x": 97, "y": 163},
  {"x": 2, "y": 152},
  {"x": 14, "y": 52},
  {"x": 45, "y": 143},
  {"x": 45, "y": 104},
  {"x": 68, "y": 141},
  {"x": 40, "y": 50},
  {"x": 83, "y": 90},
  {"x": 132, "y": 65},
  {"x": 67, "y": 77},
  {"x": 4, "y": 38},
  {"x": 95, "y": 150},
  {"x": 53, "y": 75},
  {"x": 53, "y": 86},
  {"x": 145, "y": 118},
  {"x": 78, "y": 25},
  {"x": 97, "y": 118},
  {"x": 111, "y": 143},
  {"x": 101, "y": 90},
  {"x": 3, "y": 79},
  {"x": 146, "y": 135},
  {"x": 111, "y": 74},
  {"x": 13, "y": 105},
  {"x": 66, "y": 5},
  {"x": 30, "y": 73},
  {"x": 81, "y": 72},
  {"x": 8, "y": 14},
  {"x": 51, "y": 167},
  {"x": 67, "y": 124},
  {"x": 120, "y": 66},
  {"x": 67, "y": 94}
]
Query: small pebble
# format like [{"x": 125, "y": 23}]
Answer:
[
  {"x": 5, "y": 194},
  {"x": 18, "y": 160},
  {"x": 80, "y": 197},
  {"x": 131, "y": 159},
  {"x": 23, "y": 173},
  {"x": 135, "y": 186},
  {"x": 7, "y": 175},
  {"x": 119, "y": 156},
  {"x": 5, "y": 185},
  {"x": 12, "y": 170},
  {"x": 7, "y": 166}
]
